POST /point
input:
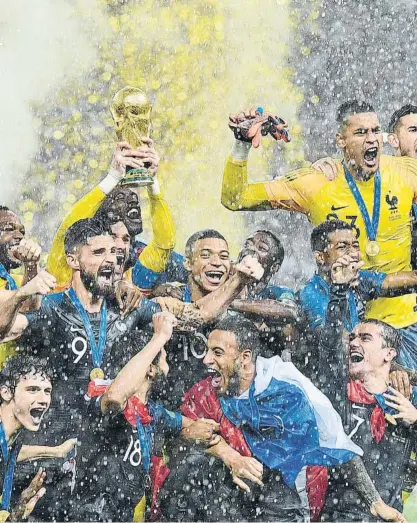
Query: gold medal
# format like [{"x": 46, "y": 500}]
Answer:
[
  {"x": 372, "y": 249},
  {"x": 97, "y": 374},
  {"x": 390, "y": 419},
  {"x": 4, "y": 514}
]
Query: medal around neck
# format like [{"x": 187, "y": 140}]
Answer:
[
  {"x": 372, "y": 249},
  {"x": 390, "y": 418},
  {"x": 131, "y": 111},
  {"x": 97, "y": 374},
  {"x": 4, "y": 514}
]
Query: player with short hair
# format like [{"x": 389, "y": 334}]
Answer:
[
  {"x": 372, "y": 192},
  {"x": 16, "y": 253},
  {"x": 285, "y": 424},
  {"x": 375, "y": 415},
  {"x": 111, "y": 201},
  {"x": 125, "y": 421},
  {"x": 25, "y": 396}
]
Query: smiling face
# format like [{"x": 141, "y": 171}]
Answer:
[
  {"x": 209, "y": 263},
  {"x": 30, "y": 401},
  {"x": 96, "y": 262},
  {"x": 121, "y": 236},
  {"x": 404, "y": 139},
  {"x": 361, "y": 142},
  {"x": 367, "y": 351},
  {"x": 123, "y": 204},
  {"x": 224, "y": 360},
  {"x": 11, "y": 234}
]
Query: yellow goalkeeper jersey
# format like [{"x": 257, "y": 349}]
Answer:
[
  {"x": 154, "y": 256},
  {"x": 8, "y": 349},
  {"x": 308, "y": 191}
]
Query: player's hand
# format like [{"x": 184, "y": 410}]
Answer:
[
  {"x": 27, "y": 252},
  {"x": 163, "y": 324},
  {"x": 244, "y": 467},
  {"x": 168, "y": 290},
  {"x": 385, "y": 512},
  {"x": 43, "y": 283},
  {"x": 250, "y": 268},
  {"x": 125, "y": 156},
  {"x": 251, "y": 124},
  {"x": 29, "y": 497},
  {"x": 203, "y": 430},
  {"x": 406, "y": 410},
  {"x": 327, "y": 166},
  {"x": 172, "y": 305},
  {"x": 346, "y": 270},
  {"x": 128, "y": 296},
  {"x": 65, "y": 448},
  {"x": 149, "y": 156},
  {"x": 401, "y": 382}
]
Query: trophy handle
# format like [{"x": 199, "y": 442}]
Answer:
[{"x": 137, "y": 177}]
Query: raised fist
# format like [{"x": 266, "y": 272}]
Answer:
[
  {"x": 27, "y": 252},
  {"x": 250, "y": 267},
  {"x": 251, "y": 124}
]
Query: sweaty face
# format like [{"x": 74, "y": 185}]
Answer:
[
  {"x": 31, "y": 400},
  {"x": 11, "y": 234},
  {"x": 224, "y": 361},
  {"x": 97, "y": 262},
  {"x": 340, "y": 243},
  {"x": 406, "y": 132},
  {"x": 361, "y": 141},
  {"x": 123, "y": 204},
  {"x": 121, "y": 237},
  {"x": 262, "y": 247},
  {"x": 366, "y": 352},
  {"x": 210, "y": 263}
]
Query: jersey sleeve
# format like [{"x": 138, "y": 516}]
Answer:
[
  {"x": 84, "y": 208},
  {"x": 370, "y": 283},
  {"x": 153, "y": 259},
  {"x": 293, "y": 192},
  {"x": 142, "y": 315},
  {"x": 166, "y": 422}
]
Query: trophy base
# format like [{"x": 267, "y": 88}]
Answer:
[{"x": 137, "y": 178}]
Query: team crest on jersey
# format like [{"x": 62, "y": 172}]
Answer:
[
  {"x": 392, "y": 201},
  {"x": 121, "y": 327}
]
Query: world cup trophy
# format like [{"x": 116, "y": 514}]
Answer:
[{"x": 131, "y": 111}]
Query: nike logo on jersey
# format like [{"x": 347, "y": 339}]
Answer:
[
  {"x": 339, "y": 208},
  {"x": 76, "y": 329}
]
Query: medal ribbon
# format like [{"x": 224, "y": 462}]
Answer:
[
  {"x": 10, "y": 461},
  {"x": 144, "y": 445},
  {"x": 353, "y": 311},
  {"x": 96, "y": 351},
  {"x": 4, "y": 275},
  {"x": 370, "y": 226}
]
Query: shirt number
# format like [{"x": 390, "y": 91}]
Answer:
[
  {"x": 133, "y": 452},
  {"x": 78, "y": 346},
  {"x": 350, "y": 219},
  {"x": 189, "y": 346}
]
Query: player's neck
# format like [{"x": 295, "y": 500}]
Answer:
[
  {"x": 143, "y": 393},
  {"x": 87, "y": 300},
  {"x": 377, "y": 381},
  {"x": 324, "y": 274},
  {"x": 357, "y": 173},
  {"x": 11, "y": 424},
  {"x": 195, "y": 290},
  {"x": 247, "y": 377}
]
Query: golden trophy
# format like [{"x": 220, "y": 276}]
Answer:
[{"x": 131, "y": 111}]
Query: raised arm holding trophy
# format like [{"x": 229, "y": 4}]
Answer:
[{"x": 131, "y": 110}]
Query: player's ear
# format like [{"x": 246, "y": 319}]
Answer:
[
  {"x": 275, "y": 267},
  {"x": 319, "y": 256},
  {"x": 72, "y": 261},
  {"x": 340, "y": 141},
  {"x": 393, "y": 140},
  {"x": 391, "y": 354},
  {"x": 246, "y": 356},
  {"x": 6, "y": 394},
  {"x": 151, "y": 372},
  {"x": 187, "y": 264}
]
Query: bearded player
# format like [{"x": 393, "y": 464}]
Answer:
[{"x": 372, "y": 192}]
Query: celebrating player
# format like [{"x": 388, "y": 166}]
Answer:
[
  {"x": 118, "y": 203},
  {"x": 372, "y": 192},
  {"x": 25, "y": 396},
  {"x": 124, "y": 424}
]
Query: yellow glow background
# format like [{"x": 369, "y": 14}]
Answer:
[{"x": 198, "y": 61}]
